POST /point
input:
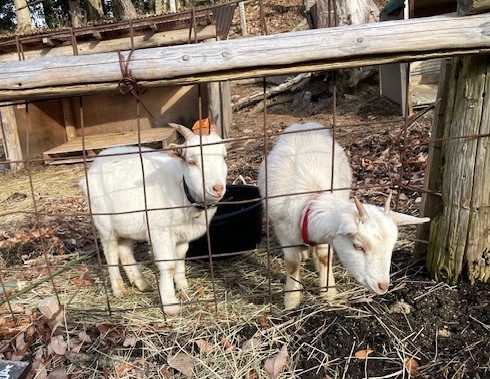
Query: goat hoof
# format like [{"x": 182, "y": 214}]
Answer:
[
  {"x": 292, "y": 300},
  {"x": 181, "y": 284},
  {"x": 329, "y": 295},
  {"x": 171, "y": 310},
  {"x": 143, "y": 285},
  {"x": 119, "y": 291}
]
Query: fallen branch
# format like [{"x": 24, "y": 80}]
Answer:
[{"x": 288, "y": 85}]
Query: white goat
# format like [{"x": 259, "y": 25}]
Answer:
[
  {"x": 115, "y": 185},
  {"x": 363, "y": 236}
]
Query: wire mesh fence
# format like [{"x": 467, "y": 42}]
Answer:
[{"x": 53, "y": 260}]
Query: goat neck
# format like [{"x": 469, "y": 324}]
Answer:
[
  {"x": 322, "y": 215},
  {"x": 191, "y": 200}
]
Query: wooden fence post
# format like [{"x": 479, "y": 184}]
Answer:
[
  {"x": 459, "y": 242},
  {"x": 12, "y": 142}
]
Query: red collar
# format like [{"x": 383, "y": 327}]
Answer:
[{"x": 304, "y": 226}]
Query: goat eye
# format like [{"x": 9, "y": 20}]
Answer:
[
  {"x": 359, "y": 247},
  {"x": 191, "y": 163}
]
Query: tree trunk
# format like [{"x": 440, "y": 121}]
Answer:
[
  {"x": 160, "y": 6},
  {"x": 75, "y": 13},
  {"x": 328, "y": 13},
  {"x": 24, "y": 23},
  {"x": 94, "y": 9},
  {"x": 459, "y": 242},
  {"x": 172, "y": 6},
  {"x": 124, "y": 9}
]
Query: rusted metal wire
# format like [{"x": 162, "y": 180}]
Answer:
[
  {"x": 89, "y": 205},
  {"x": 74, "y": 41}
]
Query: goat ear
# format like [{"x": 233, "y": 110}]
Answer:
[
  {"x": 176, "y": 150},
  {"x": 401, "y": 219},
  {"x": 349, "y": 225}
]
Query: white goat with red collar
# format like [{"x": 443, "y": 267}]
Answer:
[
  {"x": 116, "y": 195},
  {"x": 304, "y": 211}
]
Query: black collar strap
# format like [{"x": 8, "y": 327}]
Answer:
[{"x": 194, "y": 203}]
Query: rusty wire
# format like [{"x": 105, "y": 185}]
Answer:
[{"x": 129, "y": 85}]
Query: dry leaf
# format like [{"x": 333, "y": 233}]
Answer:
[
  {"x": 57, "y": 373},
  {"x": 273, "y": 366},
  {"x": 251, "y": 344},
  {"x": 363, "y": 354},
  {"x": 84, "y": 337},
  {"x": 104, "y": 328},
  {"x": 165, "y": 372},
  {"x": 20, "y": 342},
  {"x": 82, "y": 282},
  {"x": 124, "y": 368},
  {"x": 412, "y": 366},
  {"x": 204, "y": 347},
  {"x": 262, "y": 320},
  {"x": 58, "y": 345},
  {"x": 228, "y": 345},
  {"x": 130, "y": 341},
  {"x": 41, "y": 372},
  {"x": 182, "y": 363}
]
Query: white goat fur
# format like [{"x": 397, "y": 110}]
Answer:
[
  {"x": 302, "y": 162},
  {"x": 116, "y": 186}
]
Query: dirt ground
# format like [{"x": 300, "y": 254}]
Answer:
[{"x": 420, "y": 328}]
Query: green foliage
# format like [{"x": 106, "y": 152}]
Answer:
[{"x": 7, "y": 15}]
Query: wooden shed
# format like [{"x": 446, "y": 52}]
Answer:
[
  {"x": 53, "y": 127},
  {"x": 422, "y": 77}
]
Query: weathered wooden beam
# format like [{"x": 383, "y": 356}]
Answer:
[
  {"x": 71, "y": 131},
  {"x": 467, "y": 7},
  {"x": 168, "y": 38},
  {"x": 12, "y": 142},
  {"x": 286, "y": 53}
]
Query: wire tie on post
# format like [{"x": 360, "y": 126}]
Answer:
[{"x": 128, "y": 84}]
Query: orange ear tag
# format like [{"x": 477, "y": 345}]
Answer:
[{"x": 204, "y": 124}]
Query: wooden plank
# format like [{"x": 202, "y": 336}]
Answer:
[
  {"x": 65, "y": 152},
  {"x": 102, "y": 46},
  {"x": 71, "y": 131},
  {"x": 331, "y": 48},
  {"x": 466, "y": 7},
  {"x": 13, "y": 149}
]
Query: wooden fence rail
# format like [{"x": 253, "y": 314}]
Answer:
[{"x": 287, "y": 53}]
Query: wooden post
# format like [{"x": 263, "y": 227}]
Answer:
[
  {"x": 13, "y": 149},
  {"x": 226, "y": 111},
  {"x": 459, "y": 243},
  {"x": 71, "y": 131},
  {"x": 243, "y": 19},
  {"x": 219, "y": 103},
  {"x": 431, "y": 201}
]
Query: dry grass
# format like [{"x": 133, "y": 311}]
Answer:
[{"x": 45, "y": 187}]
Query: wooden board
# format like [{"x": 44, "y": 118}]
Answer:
[
  {"x": 284, "y": 53},
  {"x": 72, "y": 151}
]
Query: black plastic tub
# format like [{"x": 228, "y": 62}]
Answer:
[{"x": 234, "y": 227}]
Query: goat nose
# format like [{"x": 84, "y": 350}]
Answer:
[
  {"x": 218, "y": 189},
  {"x": 383, "y": 286}
]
